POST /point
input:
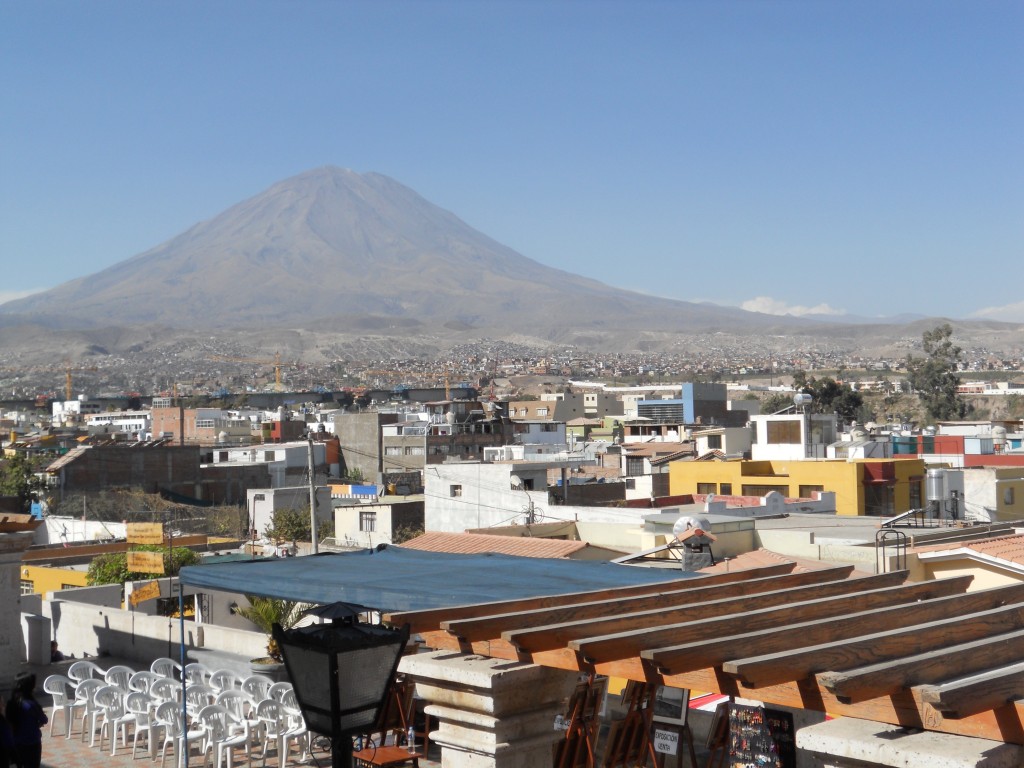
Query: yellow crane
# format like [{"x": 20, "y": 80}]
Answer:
[{"x": 68, "y": 370}]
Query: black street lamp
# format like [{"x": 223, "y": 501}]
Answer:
[{"x": 342, "y": 673}]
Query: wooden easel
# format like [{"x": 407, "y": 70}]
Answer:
[
  {"x": 629, "y": 739},
  {"x": 577, "y": 749}
]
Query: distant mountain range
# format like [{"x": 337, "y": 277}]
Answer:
[{"x": 338, "y": 251}]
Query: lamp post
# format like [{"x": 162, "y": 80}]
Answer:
[{"x": 341, "y": 673}]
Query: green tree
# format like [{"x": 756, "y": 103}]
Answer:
[
  {"x": 775, "y": 402},
  {"x": 18, "y": 478},
  {"x": 289, "y": 525},
  {"x": 113, "y": 568},
  {"x": 934, "y": 377},
  {"x": 831, "y": 396},
  {"x": 265, "y": 612}
]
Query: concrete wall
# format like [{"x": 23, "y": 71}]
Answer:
[{"x": 82, "y": 629}]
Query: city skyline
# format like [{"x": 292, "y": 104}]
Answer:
[{"x": 847, "y": 159}]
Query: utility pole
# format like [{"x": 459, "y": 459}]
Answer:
[{"x": 312, "y": 496}]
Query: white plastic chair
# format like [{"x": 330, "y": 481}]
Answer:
[
  {"x": 168, "y": 717},
  {"x": 257, "y": 686},
  {"x": 197, "y": 697},
  {"x": 142, "y": 680},
  {"x": 61, "y": 689},
  {"x": 165, "y": 689},
  {"x": 224, "y": 680},
  {"x": 273, "y": 724},
  {"x": 86, "y": 704},
  {"x": 114, "y": 717},
  {"x": 166, "y": 667},
  {"x": 238, "y": 703},
  {"x": 85, "y": 670},
  {"x": 139, "y": 706},
  {"x": 197, "y": 673},
  {"x": 224, "y": 733},
  {"x": 278, "y": 690},
  {"x": 119, "y": 675}
]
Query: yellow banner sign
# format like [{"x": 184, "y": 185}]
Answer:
[
  {"x": 147, "y": 591},
  {"x": 146, "y": 562},
  {"x": 145, "y": 533}
]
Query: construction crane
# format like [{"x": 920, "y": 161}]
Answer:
[
  {"x": 68, "y": 370},
  {"x": 276, "y": 362}
]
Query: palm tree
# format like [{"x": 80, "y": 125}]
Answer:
[{"x": 265, "y": 612}]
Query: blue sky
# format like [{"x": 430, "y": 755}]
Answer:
[{"x": 849, "y": 157}]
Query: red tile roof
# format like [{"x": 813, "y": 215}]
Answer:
[{"x": 476, "y": 543}]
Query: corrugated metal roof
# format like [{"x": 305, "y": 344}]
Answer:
[{"x": 475, "y": 543}]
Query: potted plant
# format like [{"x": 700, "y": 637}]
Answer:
[{"x": 264, "y": 612}]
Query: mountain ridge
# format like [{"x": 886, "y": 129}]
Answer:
[{"x": 336, "y": 252}]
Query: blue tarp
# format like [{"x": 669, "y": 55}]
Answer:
[{"x": 396, "y": 579}]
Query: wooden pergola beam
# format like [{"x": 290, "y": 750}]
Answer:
[
  {"x": 931, "y": 667},
  {"x": 429, "y": 619},
  {"x": 877, "y": 647},
  {"x": 968, "y": 696},
  {"x": 904, "y": 708},
  {"x": 555, "y": 634},
  {"x": 663, "y": 603},
  {"x": 633, "y": 642},
  {"x": 715, "y": 651}
]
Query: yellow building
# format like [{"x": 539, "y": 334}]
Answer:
[
  {"x": 40, "y": 579},
  {"x": 882, "y": 487}
]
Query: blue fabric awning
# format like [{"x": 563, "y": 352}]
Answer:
[{"x": 396, "y": 579}]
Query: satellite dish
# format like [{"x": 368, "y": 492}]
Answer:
[{"x": 516, "y": 480}]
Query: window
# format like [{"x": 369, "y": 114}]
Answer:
[
  {"x": 28, "y": 587},
  {"x": 706, "y": 488},
  {"x": 634, "y": 466},
  {"x": 269, "y": 455},
  {"x": 548, "y": 427},
  {"x": 783, "y": 432},
  {"x": 878, "y": 500},
  {"x": 392, "y": 450},
  {"x": 915, "y": 494},
  {"x": 69, "y": 586},
  {"x": 1008, "y": 496},
  {"x": 715, "y": 442},
  {"x": 367, "y": 520},
  {"x": 542, "y": 411},
  {"x": 414, "y": 450},
  {"x": 205, "y": 424},
  {"x": 222, "y": 455},
  {"x": 808, "y": 491},
  {"x": 455, "y": 490},
  {"x": 725, "y": 489}
]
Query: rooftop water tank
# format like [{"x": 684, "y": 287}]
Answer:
[
  {"x": 935, "y": 485},
  {"x": 686, "y": 523}
]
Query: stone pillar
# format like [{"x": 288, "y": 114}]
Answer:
[
  {"x": 12, "y": 647},
  {"x": 490, "y": 713}
]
